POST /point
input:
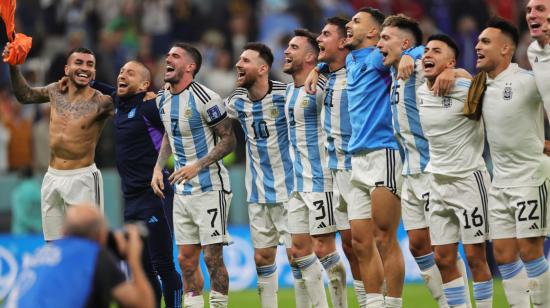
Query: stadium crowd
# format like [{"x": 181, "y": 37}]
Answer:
[{"x": 143, "y": 29}]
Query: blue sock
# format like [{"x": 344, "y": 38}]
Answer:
[
  {"x": 267, "y": 270},
  {"x": 306, "y": 261},
  {"x": 296, "y": 272},
  {"x": 425, "y": 262},
  {"x": 536, "y": 267},
  {"x": 330, "y": 260},
  {"x": 510, "y": 270},
  {"x": 455, "y": 292},
  {"x": 483, "y": 290}
]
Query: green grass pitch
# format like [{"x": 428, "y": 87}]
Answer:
[{"x": 414, "y": 296}]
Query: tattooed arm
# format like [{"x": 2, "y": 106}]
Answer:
[
  {"x": 24, "y": 93},
  {"x": 106, "y": 105},
  {"x": 226, "y": 144}
]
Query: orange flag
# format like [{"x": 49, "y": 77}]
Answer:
[{"x": 20, "y": 44}]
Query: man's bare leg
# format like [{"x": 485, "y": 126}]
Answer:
[
  {"x": 193, "y": 282},
  {"x": 386, "y": 214},
  {"x": 219, "y": 279},
  {"x": 372, "y": 271},
  {"x": 514, "y": 276},
  {"x": 358, "y": 285},
  {"x": 325, "y": 249}
]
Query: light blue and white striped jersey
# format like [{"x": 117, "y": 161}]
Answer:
[
  {"x": 188, "y": 118},
  {"x": 413, "y": 145},
  {"x": 307, "y": 138},
  {"x": 269, "y": 176},
  {"x": 336, "y": 120}
]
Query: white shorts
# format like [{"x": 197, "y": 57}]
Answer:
[
  {"x": 63, "y": 188},
  {"x": 201, "y": 218},
  {"x": 519, "y": 212},
  {"x": 343, "y": 194},
  {"x": 269, "y": 224},
  {"x": 380, "y": 168},
  {"x": 311, "y": 213},
  {"x": 415, "y": 198},
  {"x": 458, "y": 209}
]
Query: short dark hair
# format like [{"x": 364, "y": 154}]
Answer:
[
  {"x": 310, "y": 36},
  {"x": 376, "y": 14},
  {"x": 405, "y": 23},
  {"x": 447, "y": 40},
  {"x": 146, "y": 70},
  {"x": 80, "y": 50},
  {"x": 263, "y": 50},
  {"x": 193, "y": 53},
  {"x": 340, "y": 23},
  {"x": 506, "y": 27}
]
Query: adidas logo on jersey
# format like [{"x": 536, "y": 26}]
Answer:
[
  {"x": 536, "y": 59},
  {"x": 478, "y": 233},
  {"x": 215, "y": 233},
  {"x": 321, "y": 225},
  {"x": 153, "y": 220},
  {"x": 534, "y": 226}
]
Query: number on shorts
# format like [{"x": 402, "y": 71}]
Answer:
[
  {"x": 523, "y": 205},
  {"x": 319, "y": 205},
  {"x": 426, "y": 197},
  {"x": 215, "y": 211},
  {"x": 477, "y": 219}
]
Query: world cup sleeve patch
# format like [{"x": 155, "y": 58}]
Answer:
[{"x": 213, "y": 112}]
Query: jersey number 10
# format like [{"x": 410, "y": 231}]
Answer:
[{"x": 260, "y": 129}]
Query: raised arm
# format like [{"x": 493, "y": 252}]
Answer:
[
  {"x": 226, "y": 144},
  {"x": 23, "y": 92}
]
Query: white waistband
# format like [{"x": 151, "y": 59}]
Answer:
[{"x": 90, "y": 168}]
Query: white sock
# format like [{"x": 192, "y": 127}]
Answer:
[
  {"x": 300, "y": 290},
  {"x": 514, "y": 282},
  {"x": 432, "y": 278},
  {"x": 483, "y": 294},
  {"x": 462, "y": 269},
  {"x": 539, "y": 282},
  {"x": 375, "y": 300},
  {"x": 359, "y": 288},
  {"x": 190, "y": 300},
  {"x": 312, "y": 274},
  {"x": 217, "y": 299},
  {"x": 268, "y": 285},
  {"x": 336, "y": 273},
  {"x": 455, "y": 293},
  {"x": 393, "y": 302}
]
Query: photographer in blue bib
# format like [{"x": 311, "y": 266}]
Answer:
[{"x": 79, "y": 270}]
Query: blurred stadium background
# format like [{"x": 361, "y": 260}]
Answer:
[{"x": 120, "y": 30}]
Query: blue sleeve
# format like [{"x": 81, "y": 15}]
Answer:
[
  {"x": 323, "y": 67},
  {"x": 377, "y": 60},
  {"x": 150, "y": 111},
  {"x": 415, "y": 52},
  {"x": 103, "y": 88}
]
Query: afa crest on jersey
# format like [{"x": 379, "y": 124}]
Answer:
[
  {"x": 274, "y": 112},
  {"x": 188, "y": 113},
  {"x": 132, "y": 113},
  {"x": 305, "y": 103},
  {"x": 446, "y": 102},
  {"x": 507, "y": 93}
]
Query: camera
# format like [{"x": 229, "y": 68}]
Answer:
[{"x": 112, "y": 243}]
